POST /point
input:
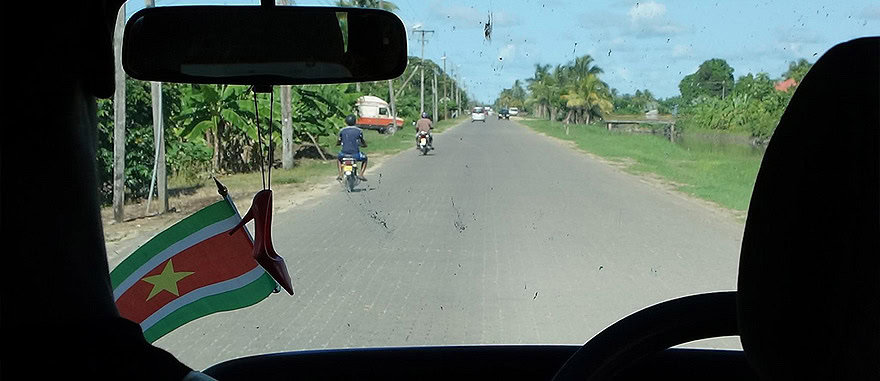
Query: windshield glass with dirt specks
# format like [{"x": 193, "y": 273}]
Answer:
[{"x": 618, "y": 176}]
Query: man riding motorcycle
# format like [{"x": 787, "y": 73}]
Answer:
[
  {"x": 351, "y": 138},
  {"x": 424, "y": 125}
]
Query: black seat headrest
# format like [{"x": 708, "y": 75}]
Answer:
[{"x": 809, "y": 278}]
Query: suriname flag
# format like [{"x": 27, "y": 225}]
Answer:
[{"x": 192, "y": 269}]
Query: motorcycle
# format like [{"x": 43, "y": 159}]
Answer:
[
  {"x": 423, "y": 142},
  {"x": 349, "y": 170}
]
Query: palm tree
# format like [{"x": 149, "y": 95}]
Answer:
[
  {"x": 539, "y": 87},
  {"x": 585, "y": 94}
]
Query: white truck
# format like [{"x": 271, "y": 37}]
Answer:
[{"x": 374, "y": 114}]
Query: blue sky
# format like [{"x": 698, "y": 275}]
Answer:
[{"x": 645, "y": 44}]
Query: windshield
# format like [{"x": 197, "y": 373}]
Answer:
[{"x": 620, "y": 178}]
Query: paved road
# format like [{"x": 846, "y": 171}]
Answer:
[{"x": 499, "y": 236}]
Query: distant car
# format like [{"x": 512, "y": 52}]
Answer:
[
  {"x": 478, "y": 114},
  {"x": 503, "y": 114},
  {"x": 513, "y": 111},
  {"x": 489, "y": 111}
]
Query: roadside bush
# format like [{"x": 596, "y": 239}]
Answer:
[{"x": 754, "y": 107}]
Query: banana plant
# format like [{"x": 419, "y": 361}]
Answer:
[{"x": 207, "y": 111}]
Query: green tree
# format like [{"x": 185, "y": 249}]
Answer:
[
  {"x": 797, "y": 70},
  {"x": 588, "y": 97},
  {"x": 386, "y": 5},
  {"x": 209, "y": 111},
  {"x": 139, "y": 151},
  {"x": 585, "y": 95},
  {"x": 714, "y": 78},
  {"x": 539, "y": 87}
]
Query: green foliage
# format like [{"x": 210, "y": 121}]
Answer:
[
  {"x": 386, "y": 5},
  {"x": 714, "y": 78},
  {"x": 575, "y": 90},
  {"x": 139, "y": 149},
  {"x": 407, "y": 100},
  {"x": 319, "y": 110},
  {"x": 212, "y": 129},
  {"x": 640, "y": 102},
  {"x": 797, "y": 70},
  {"x": 669, "y": 105},
  {"x": 753, "y": 107},
  {"x": 512, "y": 97}
]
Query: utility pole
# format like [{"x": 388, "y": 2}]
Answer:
[
  {"x": 158, "y": 140},
  {"x": 454, "y": 91},
  {"x": 434, "y": 88},
  {"x": 422, "y": 68},
  {"x": 458, "y": 92},
  {"x": 286, "y": 124},
  {"x": 390, "y": 87},
  {"x": 445, "y": 86},
  {"x": 119, "y": 122}
]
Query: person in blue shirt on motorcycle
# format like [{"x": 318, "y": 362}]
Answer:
[{"x": 351, "y": 138}]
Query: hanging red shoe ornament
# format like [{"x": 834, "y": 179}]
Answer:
[{"x": 264, "y": 252}]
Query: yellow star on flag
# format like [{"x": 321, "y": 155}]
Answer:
[{"x": 167, "y": 280}]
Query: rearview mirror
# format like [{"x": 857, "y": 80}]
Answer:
[{"x": 254, "y": 45}]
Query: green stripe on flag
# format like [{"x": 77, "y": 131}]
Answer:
[
  {"x": 245, "y": 296},
  {"x": 213, "y": 213}
]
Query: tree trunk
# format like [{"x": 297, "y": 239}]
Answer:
[
  {"x": 159, "y": 143},
  {"x": 553, "y": 113},
  {"x": 317, "y": 147},
  {"x": 286, "y": 129},
  {"x": 119, "y": 123},
  {"x": 218, "y": 145},
  {"x": 587, "y": 116},
  {"x": 567, "y": 119}
]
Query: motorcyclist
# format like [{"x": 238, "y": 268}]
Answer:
[
  {"x": 351, "y": 138},
  {"x": 425, "y": 125}
]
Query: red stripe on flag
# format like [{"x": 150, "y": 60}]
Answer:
[{"x": 213, "y": 260}]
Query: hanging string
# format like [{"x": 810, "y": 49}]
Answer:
[
  {"x": 259, "y": 140},
  {"x": 269, "y": 137}
]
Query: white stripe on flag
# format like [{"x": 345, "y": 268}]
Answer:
[
  {"x": 199, "y": 236},
  {"x": 199, "y": 293}
]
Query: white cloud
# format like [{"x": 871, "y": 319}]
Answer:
[
  {"x": 642, "y": 20},
  {"x": 646, "y": 11}
]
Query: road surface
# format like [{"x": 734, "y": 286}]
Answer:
[{"x": 499, "y": 236}]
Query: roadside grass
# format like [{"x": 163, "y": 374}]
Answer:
[
  {"x": 724, "y": 177},
  {"x": 307, "y": 170},
  {"x": 304, "y": 171}
]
